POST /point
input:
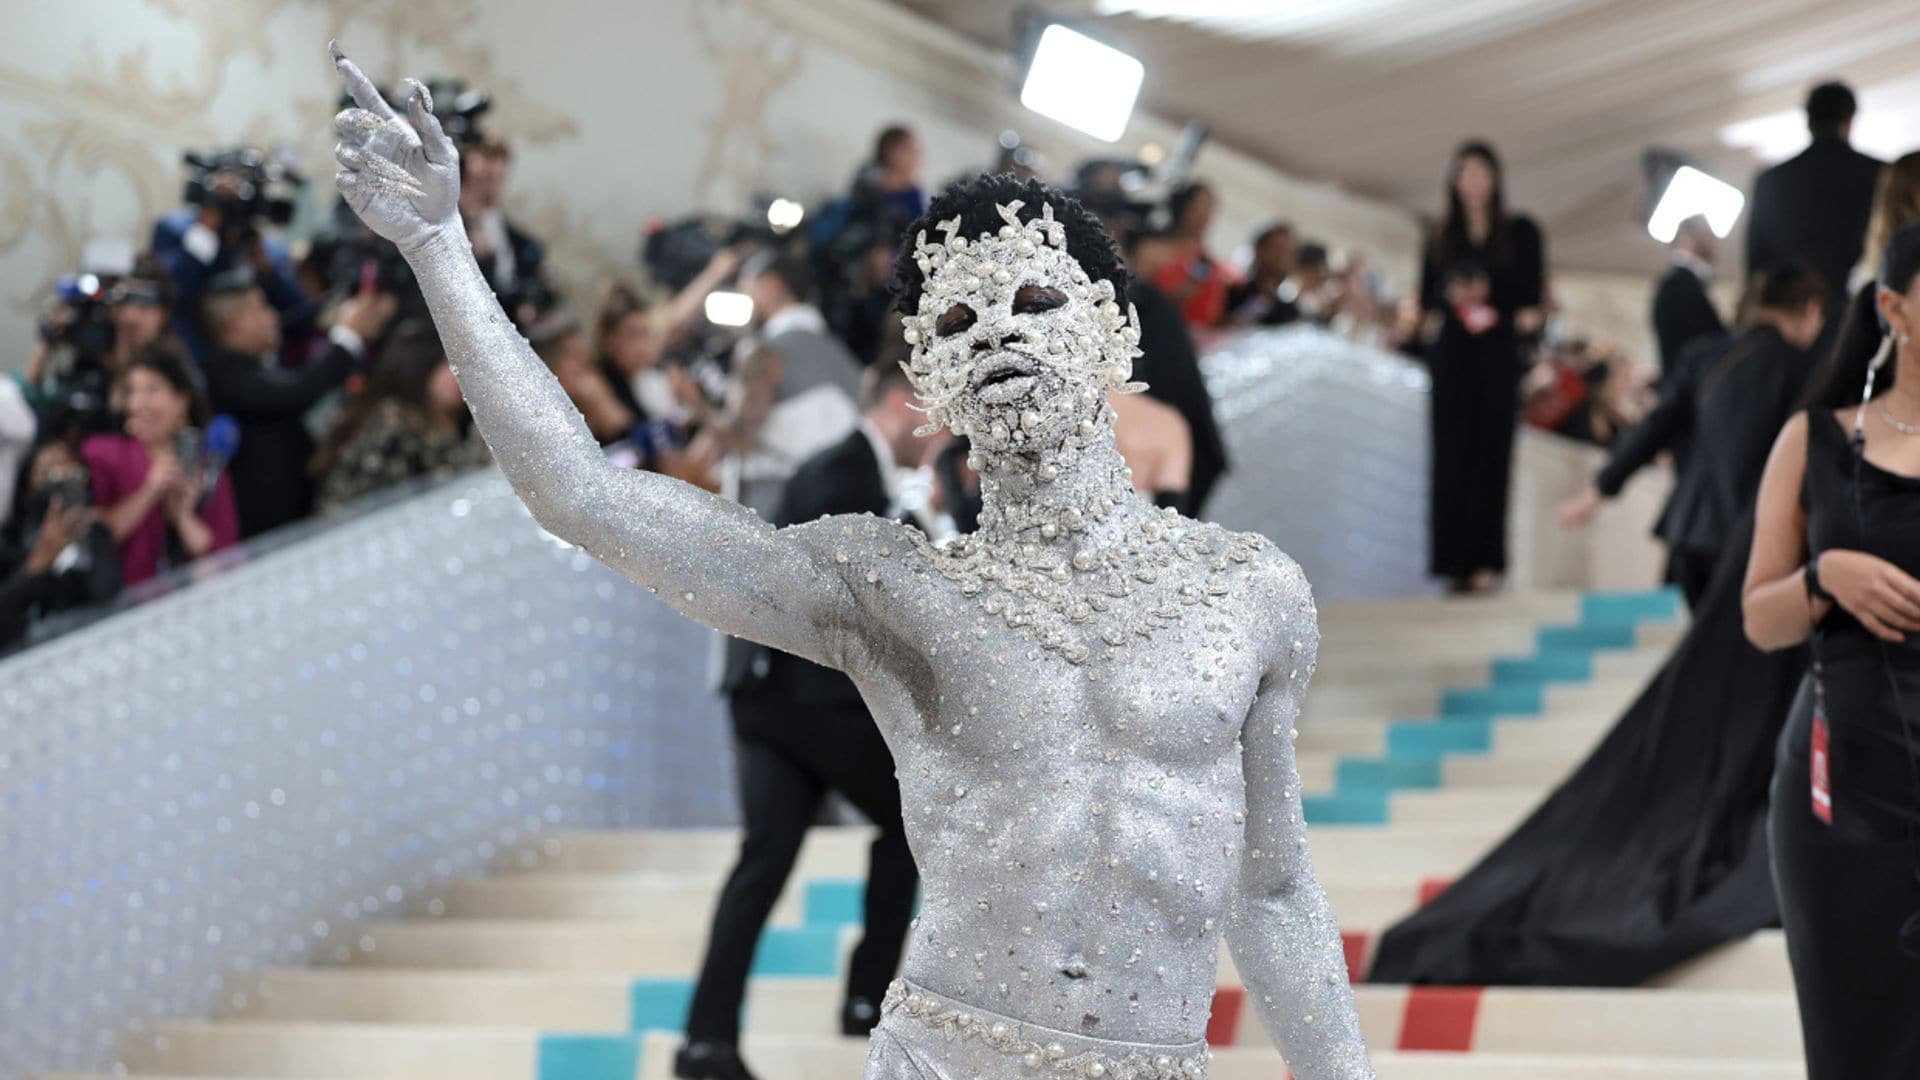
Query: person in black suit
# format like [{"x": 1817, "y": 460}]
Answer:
[
  {"x": 1725, "y": 398},
  {"x": 1813, "y": 208},
  {"x": 1682, "y": 310},
  {"x": 801, "y": 731},
  {"x": 245, "y": 378}
]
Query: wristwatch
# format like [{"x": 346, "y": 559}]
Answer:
[{"x": 1815, "y": 590}]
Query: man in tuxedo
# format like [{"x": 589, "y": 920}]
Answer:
[
  {"x": 1682, "y": 310},
  {"x": 1813, "y": 209},
  {"x": 246, "y": 378},
  {"x": 801, "y": 731}
]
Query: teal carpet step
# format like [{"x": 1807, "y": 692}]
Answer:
[{"x": 1516, "y": 689}]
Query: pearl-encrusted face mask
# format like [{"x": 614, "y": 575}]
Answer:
[{"x": 1014, "y": 346}]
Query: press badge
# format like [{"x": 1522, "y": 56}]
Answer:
[{"x": 1822, "y": 769}]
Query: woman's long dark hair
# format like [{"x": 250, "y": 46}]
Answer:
[
  {"x": 167, "y": 358},
  {"x": 1453, "y": 244},
  {"x": 1841, "y": 378},
  {"x": 619, "y": 301},
  {"x": 402, "y": 374}
]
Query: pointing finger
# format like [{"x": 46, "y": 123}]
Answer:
[{"x": 358, "y": 85}]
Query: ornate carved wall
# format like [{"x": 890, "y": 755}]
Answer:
[{"x": 619, "y": 113}]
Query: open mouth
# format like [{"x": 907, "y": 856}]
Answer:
[{"x": 1001, "y": 372}]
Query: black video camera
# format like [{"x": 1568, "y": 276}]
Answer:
[
  {"x": 80, "y": 319},
  {"x": 674, "y": 253},
  {"x": 458, "y": 108},
  {"x": 241, "y": 183}
]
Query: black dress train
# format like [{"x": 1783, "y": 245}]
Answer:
[{"x": 1650, "y": 853}]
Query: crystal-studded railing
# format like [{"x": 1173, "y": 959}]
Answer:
[
  {"x": 1328, "y": 441},
  {"x": 219, "y": 779}
]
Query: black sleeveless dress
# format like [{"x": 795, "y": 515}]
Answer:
[{"x": 1844, "y": 862}]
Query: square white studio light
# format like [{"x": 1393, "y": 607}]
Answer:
[
  {"x": 1082, "y": 83},
  {"x": 728, "y": 308},
  {"x": 1693, "y": 192}
]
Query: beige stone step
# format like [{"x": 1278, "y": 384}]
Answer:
[
  {"x": 640, "y": 947},
  {"x": 1758, "y": 963},
  {"x": 1555, "y": 733},
  {"x": 671, "y": 897},
  {"x": 1460, "y": 772},
  {"x": 571, "y": 1001},
  {"x": 311, "y": 1049},
  {"x": 1423, "y": 646},
  {"x": 1364, "y": 899},
  {"x": 1647, "y": 1022},
  {"x": 1539, "y": 605},
  {"x": 1592, "y": 1022},
  {"x": 1494, "y": 808},
  {"x": 1326, "y": 706},
  {"x": 1411, "y": 675},
  {"x": 804, "y": 1058}
]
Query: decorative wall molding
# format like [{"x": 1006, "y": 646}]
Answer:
[{"x": 97, "y": 100}]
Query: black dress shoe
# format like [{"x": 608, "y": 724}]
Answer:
[
  {"x": 708, "y": 1060},
  {"x": 859, "y": 1016}
]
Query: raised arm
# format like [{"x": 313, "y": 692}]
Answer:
[
  {"x": 1281, "y": 930},
  {"x": 710, "y": 558}
]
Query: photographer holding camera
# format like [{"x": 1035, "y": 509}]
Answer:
[
  {"x": 99, "y": 320},
  {"x": 220, "y": 230},
  {"x": 56, "y": 553},
  {"x": 245, "y": 378},
  {"x": 791, "y": 393}
]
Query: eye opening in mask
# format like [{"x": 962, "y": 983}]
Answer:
[
  {"x": 957, "y": 319},
  {"x": 1031, "y": 299}
]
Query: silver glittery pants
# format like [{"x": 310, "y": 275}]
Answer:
[{"x": 926, "y": 1036}]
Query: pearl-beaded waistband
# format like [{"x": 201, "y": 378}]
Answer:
[{"x": 1042, "y": 1050}]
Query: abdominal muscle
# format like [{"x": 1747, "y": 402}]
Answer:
[{"x": 1092, "y": 907}]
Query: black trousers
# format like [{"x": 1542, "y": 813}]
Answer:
[
  {"x": 1846, "y": 901},
  {"x": 789, "y": 756}
]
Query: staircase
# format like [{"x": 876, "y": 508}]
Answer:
[{"x": 1432, "y": 727}]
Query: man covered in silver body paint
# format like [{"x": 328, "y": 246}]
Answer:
[{"x": 1091, "y": 701}]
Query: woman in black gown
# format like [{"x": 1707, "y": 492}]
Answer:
[
  {"x": 1836, "y": 558},
  {"x": 1483, "y": 281}
]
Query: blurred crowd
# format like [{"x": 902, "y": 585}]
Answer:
[{"x": 231, "y": 375}]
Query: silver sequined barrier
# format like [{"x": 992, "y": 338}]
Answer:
[
  {"x": 1328, "y": 441},
  {"x": 223, "y": 778}
]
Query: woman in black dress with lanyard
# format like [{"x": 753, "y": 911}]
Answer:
[
  {"x": 1483, "y": 282},
  {"x": 1836, "y": 557}
]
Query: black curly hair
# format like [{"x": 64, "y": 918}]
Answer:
[{"x": 974, "y": 201}]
